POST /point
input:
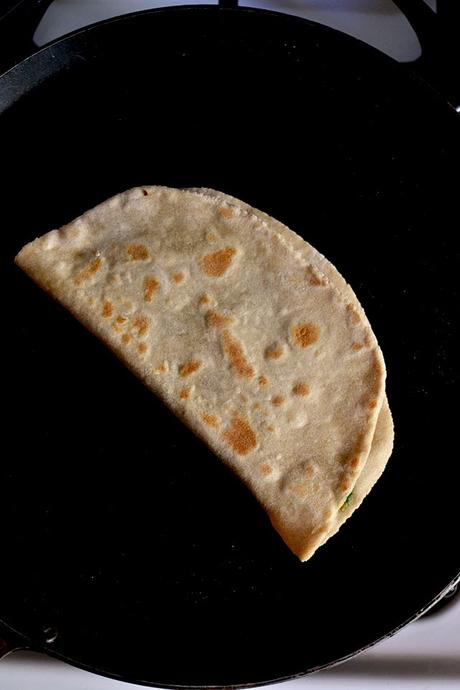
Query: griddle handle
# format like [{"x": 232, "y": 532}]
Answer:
[
  {"x": 18, "y": 21},
  {"x": 438, "y": 33}
]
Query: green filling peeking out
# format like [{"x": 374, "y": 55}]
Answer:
[{"x": 347, "y": 501}]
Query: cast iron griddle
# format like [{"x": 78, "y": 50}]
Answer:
[{"x": 127, "y": 548}]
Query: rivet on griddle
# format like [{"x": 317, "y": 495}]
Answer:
[{"x": 50, "y": 634}]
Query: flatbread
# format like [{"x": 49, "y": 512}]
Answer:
[
  {"x": 238, "y": 332},
  {"x": 382, "y": 443},
  {"x": 382, "y": 446}
]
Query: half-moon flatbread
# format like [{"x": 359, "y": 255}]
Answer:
[
  {"x": 382, "y": 443},
  {"x": 240, "y": 333}
]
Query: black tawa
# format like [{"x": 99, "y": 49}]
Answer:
[{"x": 127, "y": 549}]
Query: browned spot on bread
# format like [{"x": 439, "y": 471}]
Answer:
[
  {"x": 145, "y": 192},
  {"x": 189, "y": 368},
  {"x": 366, "y": 342},
  {"x": 150, "y": 286},
  {"x": 141, "y": 324},
  {"x": 204, "y": 299},
  {"x": 373, "y": 377},
  {"x": 309, "y": 470},
  {"x": 345, "y": 485},
  {"x": 107, "y": 309},
  {"x": 353, "y": 462},
  {"x": 316, "y": 282},
  {"x": 88, "y": 271},
  {"x": 372, "y": 404},
  {"x": 210, "y": 420},
  {"x": 138, "y": 252},
  {"x": 240, "y": 436},
  {"x": 354, "y": 315},
  {"x": 142, "y": 348},
  {"x": 217, "y": 263},
  {"x": 278, "y": 400},
  {"x": 63, "y": 233},
  {"x": 80, "y": 254},
  {"x": 226, "y": 213},
  {"x": 215, "y": 320},
  {"x": 211, "y": 237},
  {"x": 314, "y": 279},
  {"x": 263, "y": 380},
  {"x": 305, "y": 334},
  {"x": 274, "y": 352},
  {"x": 270, "y": 428},
  {"x": 163, "y": 368},
  {"x": 360, "y": 444},
  {"x": 125, "y": 338},
  {"x": 117, "y": 325},
  {"x": 377, "y": 365},
  {"x": 266, "y": 469},
  {"x": 185, "y": 393},
  {"x": 178, "y": 277},
  {"x": 237, "y": 357},
  {"x": 301, "y": 389}
]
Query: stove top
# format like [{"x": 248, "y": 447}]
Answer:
[
  {"x": 377, "y": 22},
  {"x": 426, "y": 654}
]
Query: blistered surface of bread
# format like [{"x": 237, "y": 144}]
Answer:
[
  {"x": 112, "y": 252},
  {"x": 234, "y": 350},
  {"x": 150, "y": 287}
]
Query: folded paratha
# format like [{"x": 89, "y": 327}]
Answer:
[{"x": 240, "y": 330}]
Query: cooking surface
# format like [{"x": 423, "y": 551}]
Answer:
[
  {"x": 423, "y": 656},
  {"x": 78, "y": 507}
]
